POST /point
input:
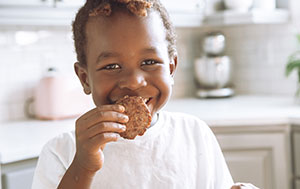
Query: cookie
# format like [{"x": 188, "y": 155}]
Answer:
[{"x": 139, "y": 116}]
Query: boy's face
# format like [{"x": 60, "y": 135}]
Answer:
[{"x": 127, "y": 55}]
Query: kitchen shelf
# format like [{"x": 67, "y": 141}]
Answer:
[
  {"x": 252, "y": 17},
  {"x": 186, "y": 19},
  {"x": 36, "y": 16},
  {"x": 49, "y": 16}
]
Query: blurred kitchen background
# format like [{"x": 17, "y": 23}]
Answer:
[
  {"x": 33, "y": 42},
  {"x": 260, "y": 35}
]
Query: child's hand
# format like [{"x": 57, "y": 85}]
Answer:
[
  {"x": 93, "y": 130},
  {"x": 243, "y": 186}
]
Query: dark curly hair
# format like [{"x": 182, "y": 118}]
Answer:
[{"x": 105, "y": 7}]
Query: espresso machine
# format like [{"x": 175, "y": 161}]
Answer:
[{"x": 213, "y": 70}]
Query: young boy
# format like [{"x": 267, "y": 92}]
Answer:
[{"x": 127, "y": 47}]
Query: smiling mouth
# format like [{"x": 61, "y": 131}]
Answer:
[{"x": 146, "y": 100}]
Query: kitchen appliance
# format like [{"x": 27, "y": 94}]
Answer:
[
  {"x": 214, "y": 44},
  {"x": 59, "y": 96},
  {"x": 213, "y": 70}
]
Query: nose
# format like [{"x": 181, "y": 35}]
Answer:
[{"x": 132, "y": 81}]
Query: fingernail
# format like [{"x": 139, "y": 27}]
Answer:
[
  {"x": 122, "y": 108},
  {"x": 123, "y": 127},
  {"x": 125, "y": 118}
]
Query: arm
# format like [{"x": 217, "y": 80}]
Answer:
[
  {"x": 77, "y": 177},
  {"x": 93, "y": 130}
]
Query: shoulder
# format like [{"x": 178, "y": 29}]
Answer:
[
  {"x": 186, "y": 123},
  {"x": 62, "y": 141},
  {"x": 61, "y": 147},
  {"x": 63, "y": 138},
  {"x": 182, "y": 119},
  {"x": 54, "y": 159}
]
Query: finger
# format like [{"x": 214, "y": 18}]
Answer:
[
  {"x": 109, "y": 107},
  {"x": 95, "y": 116},
  {"x": 103, "y": 127},
  {"x": 106, "y": 116},
  {"x": 112, "y": 107},
  {"x": 101, "y": 139}
]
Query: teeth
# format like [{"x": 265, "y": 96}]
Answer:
[{"x": 146, "y": 100}]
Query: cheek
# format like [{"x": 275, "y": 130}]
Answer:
[
  {"x": 100, "y": 90},
  {"x": 165, "y": 82},
  {"x": 98, "y": 97}
]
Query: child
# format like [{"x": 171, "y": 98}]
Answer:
[{"x": 127, "y": 47}]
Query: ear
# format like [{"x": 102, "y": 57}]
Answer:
[
  {"x": 173, "y": 65},
  {"x": 81, "y": 72}
]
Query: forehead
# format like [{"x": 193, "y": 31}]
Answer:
[{"x": 122, "y": 28}]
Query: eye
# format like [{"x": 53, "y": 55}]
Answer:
[
  {"x": 111, "y": 67},
  {"x": 149, "y": 62}
]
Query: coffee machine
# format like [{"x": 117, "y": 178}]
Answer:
[{"x": 213, "y": 70}]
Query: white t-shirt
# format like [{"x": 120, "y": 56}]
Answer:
[{"x": 179, "y": 151}]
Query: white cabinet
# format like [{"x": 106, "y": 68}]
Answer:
[
  {"x": 258, "y": 157},
  {"x": 250, "y": 166},
  {"x": 18, "y": 175}
]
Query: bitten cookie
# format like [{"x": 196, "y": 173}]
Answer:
[{"x": 139, "y": 116}]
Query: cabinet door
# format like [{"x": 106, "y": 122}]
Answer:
[
  {"x": 261, "y": 159},
  {"x": 18, "y": 179},
  {"x": 18, "y": 175},
  {"x": 251, "y": 166},
  {"x": 26, "y": 2}
]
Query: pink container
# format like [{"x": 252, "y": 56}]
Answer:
[{"x": 59, "y": 97}]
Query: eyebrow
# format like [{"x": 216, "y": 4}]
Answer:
[
  {"x": 149, "y": 50},
  {"x": 105, "y": 55}
]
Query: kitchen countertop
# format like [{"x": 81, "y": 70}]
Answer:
[
  {"x": 20, "y": 140},
  {"x": 240, "y": 110}
]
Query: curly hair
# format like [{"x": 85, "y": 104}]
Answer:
[{"x": 105, "y": 7}]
